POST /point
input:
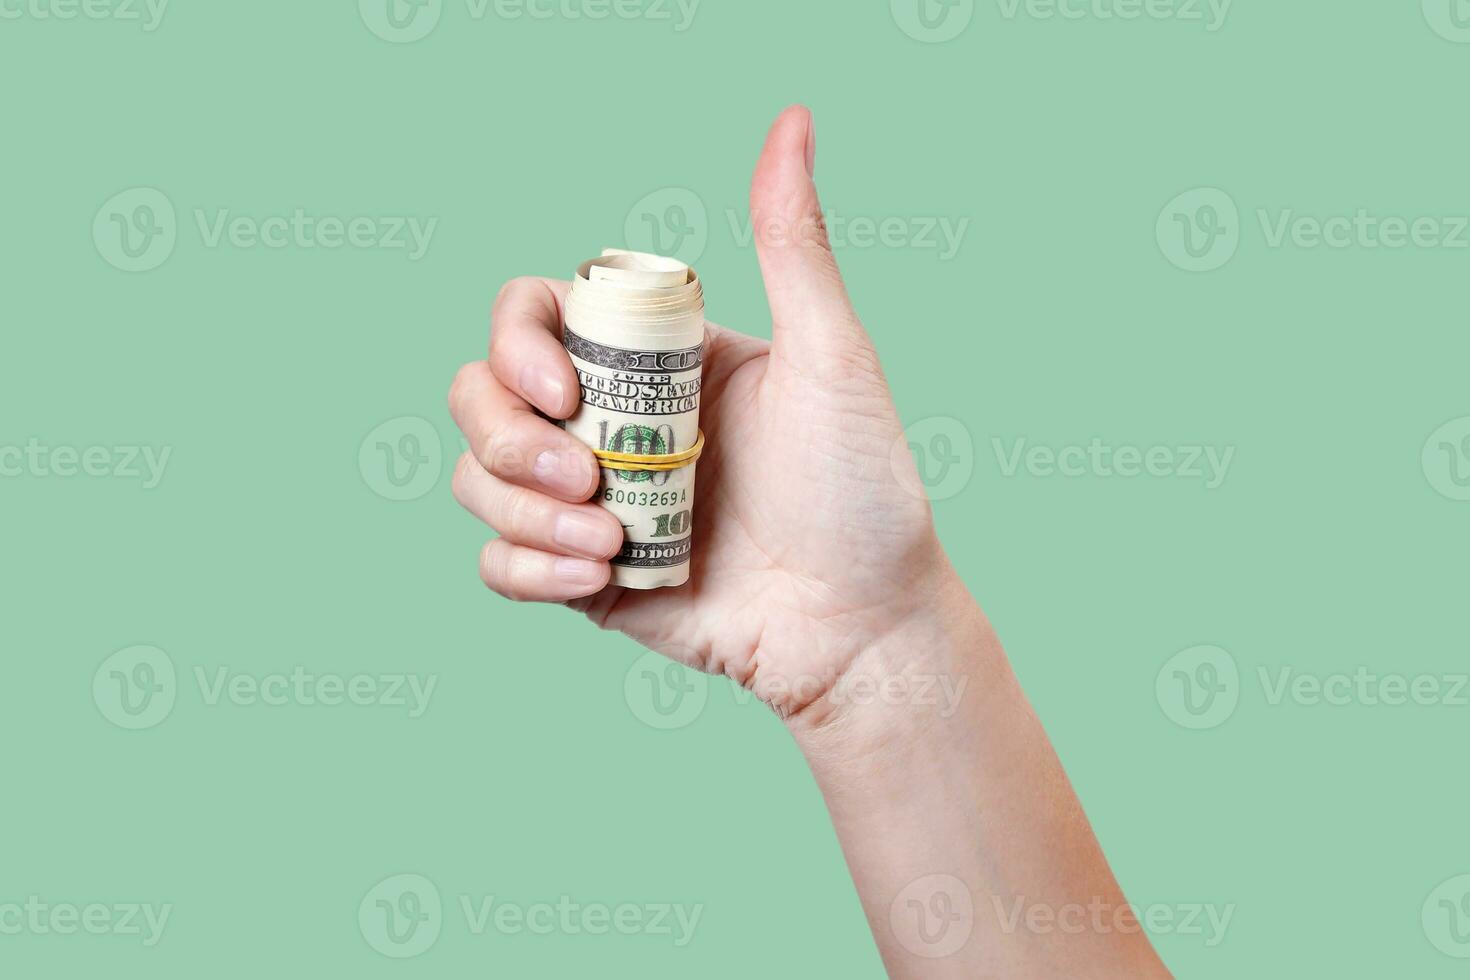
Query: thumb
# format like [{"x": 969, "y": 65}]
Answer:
[{"x": 811, "y": 316}]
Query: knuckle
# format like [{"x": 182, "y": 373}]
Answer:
[
  {"x": 512, "y": 289},
  {"x": 462, "y": 385},
  {"x": 489, "y": 571},
  {"x": 502, "y": 356},
  {"x": 814, "y": 231},
  {"x": 495, "y": 569},
  {"x": 522, "y": 511},
  {"x": 503, "y": 297},
  {"x": 501, "y": 452},
  {"x": 510, "y": 590},
  {"x": 520, "y": 573},
  {"x": 464, "y": 474}
]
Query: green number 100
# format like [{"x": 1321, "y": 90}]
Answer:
[{"x": 671, "y": 525}]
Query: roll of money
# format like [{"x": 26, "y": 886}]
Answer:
[{"x": 635, "y": 331}]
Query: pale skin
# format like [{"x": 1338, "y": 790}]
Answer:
[{"x": 831, "y": 599}]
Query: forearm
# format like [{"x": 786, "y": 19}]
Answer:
[{"x": 955, "y": 816}]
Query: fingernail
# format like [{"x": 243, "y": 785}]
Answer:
[
  {"x": 589, "y": 535},
  {"x": 567, "y": 472},
  {"x": 811, "y": 145},
  {"x": 575, "y": 571},
  {"x": 544, "y": 389}
]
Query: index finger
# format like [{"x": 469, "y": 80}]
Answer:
[{"x": 526, "y": 354}]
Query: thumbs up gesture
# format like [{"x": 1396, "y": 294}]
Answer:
[
  {"x": 810, "y": 540},
  {"x": 818, "y": 583}
]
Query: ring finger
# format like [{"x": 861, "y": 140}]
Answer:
[{"x": 533, "y": 519}]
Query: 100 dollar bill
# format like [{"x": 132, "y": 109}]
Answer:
[{"x": 635, "y": 332}]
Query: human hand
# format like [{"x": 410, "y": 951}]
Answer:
[
  {"x": 815, "y": 563},
  {"x": 808, "y": 548}
]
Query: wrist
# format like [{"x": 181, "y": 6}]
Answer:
[
  {"x": 947, "y": 796},
  {"x": 913, "y": 678}
]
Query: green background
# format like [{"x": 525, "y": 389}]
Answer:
[{"x": 268, "y": 546}]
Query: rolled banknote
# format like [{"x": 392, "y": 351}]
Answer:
[{"x": 635, "y": 331}]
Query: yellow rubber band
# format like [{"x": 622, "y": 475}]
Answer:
[{"x": 654, "y": 464}]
